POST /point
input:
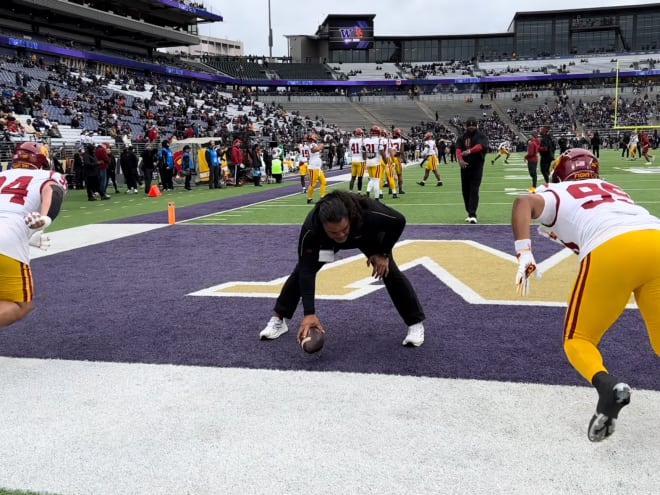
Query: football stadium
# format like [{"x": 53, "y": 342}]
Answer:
[{"x": 150, "y": 352}]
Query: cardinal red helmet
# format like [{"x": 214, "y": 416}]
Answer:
[
  {"x": 428, "y": 136},
  {"x": 30, "y": 155},
  {"x": 396, "y": 132},
  {"x": 375, "y": 130},
  {"x": 575, "y": 164},
  {"x": 358, "y": 132}
]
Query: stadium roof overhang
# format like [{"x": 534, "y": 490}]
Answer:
[{"x": 104, "y": 24}]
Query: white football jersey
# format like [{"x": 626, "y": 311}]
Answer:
[
  {"x": 504, "y": 145},
  {"x": 584, "y": 214},
  {"x": 373, "y": 147},
  {"x": 304, "y": 152},
  {"x": 396, "y": 145},
  {"x": 315, "y": 161},
  {"x": 430, "y": 148},
  {"x": 20, "y": 195},
  {"x": 355, "y": 149}
]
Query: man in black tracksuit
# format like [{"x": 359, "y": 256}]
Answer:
[
  {"x": 546, "y": 152},
  {"x": 471, "y": 149},
  {"x": 343, "y": 220}
]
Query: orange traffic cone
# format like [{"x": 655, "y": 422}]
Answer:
[{"x": 154, "y": 192}]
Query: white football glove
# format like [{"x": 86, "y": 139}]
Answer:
[
  {"x": 36, "y": 220},
  {"x": 40, "y": 240},
  {"x": 526, "y": 266}
]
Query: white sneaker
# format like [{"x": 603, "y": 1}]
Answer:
[
  {"x": 415, "y": 335},
  {"x": 276, "y": 327},
  {"x": 473, "y": 220}
]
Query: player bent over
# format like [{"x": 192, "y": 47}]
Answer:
[
  {"x": 30, "y": 198},
  {"x": 343, "y": 220},
  {"x": 618, "y": 247}
]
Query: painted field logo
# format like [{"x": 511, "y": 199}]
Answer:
[{"x": 477, "y": 273}]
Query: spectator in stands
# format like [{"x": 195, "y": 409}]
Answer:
[
  {"x": 54, "y": 131},
  {"x": 153, "y": 134},
  {"x": 471, "y": 149},
  {"x": 30, "y": 131},
  {"x": 75, "y": 121},
  {"x": 45, "y": 121},
  {"x": 148, "y": 163}
]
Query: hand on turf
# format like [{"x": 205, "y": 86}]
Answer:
[
  {"x": 380, "y": 266},
  {"x": 526, "y": 266},
  {"x": 307, "y": 322},
  {"x": 40, "y": 240},
  {"x": 36, "y": 220}
]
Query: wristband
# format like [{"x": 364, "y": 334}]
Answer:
[{"x": 522, "y": 244}]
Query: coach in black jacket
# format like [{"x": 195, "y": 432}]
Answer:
[
  {"x": 471, "y": 149},
  {"x": 343, "y": 220}
]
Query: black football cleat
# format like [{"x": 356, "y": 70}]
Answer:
[{"x": 613, "y": 395}]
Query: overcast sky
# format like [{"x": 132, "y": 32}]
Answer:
[{"x": 247, "y": 20}]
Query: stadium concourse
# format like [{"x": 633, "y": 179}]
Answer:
[{"x": 132, "y": 376}]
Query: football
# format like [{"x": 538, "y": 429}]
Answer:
[{"x": 312, "y": 339}]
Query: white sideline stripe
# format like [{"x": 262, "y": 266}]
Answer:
[
  {"x": 76, "y": 427},
  {"x": 87, "y": 235}
]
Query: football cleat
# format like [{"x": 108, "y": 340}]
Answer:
[{"x": 613, "y": 396}]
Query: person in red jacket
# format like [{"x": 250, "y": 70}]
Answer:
[
  {"x": 236, "y": 160},
  {"x": 532, "y": 158},
  {"x": 645, "y": 146},
  {"x": 101, "y": 154}
]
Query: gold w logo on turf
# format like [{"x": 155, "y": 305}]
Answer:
[{"x": 477, "y": 273}]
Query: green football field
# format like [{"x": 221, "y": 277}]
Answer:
[{"x": 421, "y": 205}]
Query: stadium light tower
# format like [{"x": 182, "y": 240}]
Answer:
[{"x": 270, "y": 34}]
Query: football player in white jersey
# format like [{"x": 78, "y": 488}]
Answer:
[
  {"x": 30, "y": 198},
  {"x": 387, "y": 172},
  {"x": 315, "y": 170},
  {"x": 504, "y": 149},
  {"x": 374, "y": 154},
  {"x": 430, "y": 154},
  {"x": 304, "y": 154},
  {"x": 397, "y": 157},
  {"x": 357, "y": 159},
  {"x": 618, "y": 245}
]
